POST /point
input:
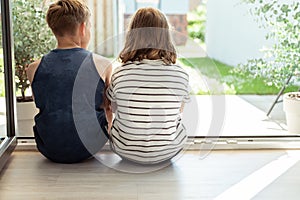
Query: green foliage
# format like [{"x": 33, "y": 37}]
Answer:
[
  {"x": 283, "y": 59},
  {"x": 32, "y": 37},
  {"x": 196, "y": 23},
  {"x": 233, "y": 82}
]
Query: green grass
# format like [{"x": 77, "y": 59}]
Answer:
[{"x": 233, "y": 82}]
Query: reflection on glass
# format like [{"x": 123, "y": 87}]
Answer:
[{"x": 3, "y": 133}]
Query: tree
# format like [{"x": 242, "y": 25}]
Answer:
[{"x": 32, "y": 38}]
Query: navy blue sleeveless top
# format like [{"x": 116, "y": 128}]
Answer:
[{"x": 68, "y": 91}]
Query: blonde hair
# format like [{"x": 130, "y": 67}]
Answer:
[
  {"x": 148, "y": 37},
  {"x": 64, "y": 16}
]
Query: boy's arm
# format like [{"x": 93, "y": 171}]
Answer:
[
  {"x": 30, "y": 71},
  {"x": 104, "y": 69},
  {"x": 107, "y": 103},
  {"x": 32, "y": 67}
]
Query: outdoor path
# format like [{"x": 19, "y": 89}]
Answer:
[
  {"x": 228, "y": 115},
  {"x": 233, "y": 115}
]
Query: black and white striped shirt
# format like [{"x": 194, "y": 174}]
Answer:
[{"x": 147, "y": 127}]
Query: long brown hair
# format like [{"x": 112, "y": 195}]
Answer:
[
  {"x": 148, "y": 37},
  {"x": 64, "y": 16}
]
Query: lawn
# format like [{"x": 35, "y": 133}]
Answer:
[
  {"x": 232, "y": 82},
  {"x": 208, "y": 76}
]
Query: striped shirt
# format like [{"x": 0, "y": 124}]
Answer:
[{"x": 147, "y": 127}]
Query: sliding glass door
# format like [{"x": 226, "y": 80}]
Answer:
[
  {"x": 3, "y": 131},
  {"x": 7, "y": 97}
]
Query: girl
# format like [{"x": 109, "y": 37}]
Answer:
[{"x": 149, "y": 92}]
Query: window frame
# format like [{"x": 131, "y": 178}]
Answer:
[{"x": 8, "y": 145}]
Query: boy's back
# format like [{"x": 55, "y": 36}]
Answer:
[{"x": 56, "y": 127}]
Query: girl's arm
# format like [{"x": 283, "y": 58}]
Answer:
[{"x": 182, "y": 107}]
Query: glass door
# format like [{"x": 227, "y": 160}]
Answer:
[
  {"x": 3, "y": 132},
  {"x": 7, "y": 97},
  {"x": 225, "y": 104}
]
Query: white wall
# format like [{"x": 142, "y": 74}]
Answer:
[{"x": 232, "y": 35}]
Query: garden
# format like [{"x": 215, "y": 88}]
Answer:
[
  {"x": 261, "y": 76},
  {"x": 31, "y": 39}
]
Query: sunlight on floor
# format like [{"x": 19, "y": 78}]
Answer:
[
  {"x": 257, "y": 181},
  {"x": 239, "y": 118}
]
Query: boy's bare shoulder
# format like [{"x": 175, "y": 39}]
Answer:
[
  {"x": 34, "y": 64},
  {"x": 32, "y": 67},
  {"x": 101, "y": 60},
  {"x": 103, "y": 66}
]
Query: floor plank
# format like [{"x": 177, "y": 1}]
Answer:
[{"x": 28, "y": 175}]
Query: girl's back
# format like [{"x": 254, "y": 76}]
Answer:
[{"x": 147, "y": 126}]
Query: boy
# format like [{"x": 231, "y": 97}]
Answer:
[{"x": 68, "y": 85}]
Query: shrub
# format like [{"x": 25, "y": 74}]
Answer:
[
  {"x": 32, "y": 38},
  {"x": 196, "y": 23},
  {"x": 283, "y": 59}
]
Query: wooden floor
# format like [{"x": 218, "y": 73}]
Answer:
[{"x": 194, "y": 175}]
